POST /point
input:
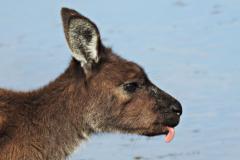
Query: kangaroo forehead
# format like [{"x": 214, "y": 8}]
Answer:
[{"x": 126, "y": 71}]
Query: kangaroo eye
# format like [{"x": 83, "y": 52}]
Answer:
[{"x": 131, "y": 87}]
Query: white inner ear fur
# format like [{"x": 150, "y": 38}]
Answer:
[{"x": 84, "y": 49}]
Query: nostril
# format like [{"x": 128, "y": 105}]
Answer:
[{"x": 177, "y": 108}]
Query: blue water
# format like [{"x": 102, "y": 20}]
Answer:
[{"x": 188, "y": 48}]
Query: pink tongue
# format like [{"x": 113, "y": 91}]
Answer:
[{"x": 169, "y": 137}]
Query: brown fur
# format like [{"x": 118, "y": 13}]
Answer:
[{"x": 48, "y": 123}]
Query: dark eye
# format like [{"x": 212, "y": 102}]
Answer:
[{"x": 130, "y": 87}]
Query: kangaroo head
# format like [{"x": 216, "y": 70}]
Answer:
[{"x": 120, "y": 96}]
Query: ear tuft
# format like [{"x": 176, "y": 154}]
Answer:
[{"x": 82, "y": 36}]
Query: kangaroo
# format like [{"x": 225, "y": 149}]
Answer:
[{"x": 99, "y": 92}]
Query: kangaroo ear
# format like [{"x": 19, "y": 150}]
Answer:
[{"x": 82, "y": 36}]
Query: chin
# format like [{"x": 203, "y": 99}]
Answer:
[
  {"x": 155, "y": 133},
  {"x": 169, "y": 133}
]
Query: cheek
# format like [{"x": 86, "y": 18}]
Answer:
[
  {"x": 122, "y": 97},
  {"x": 135, "y": 110},
  {"x": 140, "y": 111}
]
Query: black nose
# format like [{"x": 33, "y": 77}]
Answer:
[{"x": 177, "y": 108}]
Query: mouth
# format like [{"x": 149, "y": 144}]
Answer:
[{"x": 169, "y": 133}]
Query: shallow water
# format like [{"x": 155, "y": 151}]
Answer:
[{"x": 188, "y": 48}]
